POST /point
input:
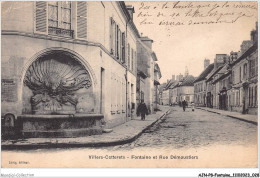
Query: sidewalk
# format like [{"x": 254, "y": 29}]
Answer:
[
  {"x": 121, "y": 134},
  {"x": 236, "y": 115}
]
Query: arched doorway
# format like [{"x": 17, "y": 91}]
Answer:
[{"x": 57, "y": 83}]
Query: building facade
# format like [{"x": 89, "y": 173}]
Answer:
[
  {"x": 66, "y": 58},
  {"x": 157, "y": 76},
  {"x": 148, "y": 73},
  {"x": 200, "y": 95},
  {"x": 185, "y": 90},
  {"x": 233, "y": 85},
  {"x": 244, "y": 78}
]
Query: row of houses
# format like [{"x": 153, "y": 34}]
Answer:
[
  {"x": 75, "y": 58},
  {"x": 177, "y": 89},
  {"x": 230, "y": 83}
]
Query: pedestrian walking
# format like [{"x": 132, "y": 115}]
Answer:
[
  {"x": 142, "y": 109},
  {"x": 184, "y": 104},
  {"x": 193, "y": 106}
]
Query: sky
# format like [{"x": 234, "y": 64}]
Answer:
[{"x": 188, "y": 44}]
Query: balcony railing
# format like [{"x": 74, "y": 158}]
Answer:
[{"x": 61, "y": 32}]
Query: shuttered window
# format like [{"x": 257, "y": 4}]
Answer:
[
  {"x": 82, "y": 19},
  {"x": 65, "y": 22},
  {"x": 119, "y": 45},
  {"x": 112, "y": 36},
  {"x": 41, "y": 17},
  {"x": 117, "y": 37},
  {"x": 55, "y": 18},
  {"x": 123, "y": 47},
  {"x": 53, "y": 14},
  {"x": 128, "y": 55},
  {"x": 59, "y": 18}
]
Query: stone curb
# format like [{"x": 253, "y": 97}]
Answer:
[
  {"x": 233, "y": 117},
  {"x": 80, "y": 145}
]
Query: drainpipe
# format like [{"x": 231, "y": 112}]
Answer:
[{"x": 126, "y": 69}]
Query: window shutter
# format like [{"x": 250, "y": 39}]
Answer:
[
  {"x": 82, "y": 19},
  {"x": 123, "y": 47},
  {"x": 40, "y": 17},
  {"x": 111, "y": 35}
]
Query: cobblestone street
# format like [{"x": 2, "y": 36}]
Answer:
[
  {"x": 217, "y": 141},
  {"x": 196, "y": 129}
]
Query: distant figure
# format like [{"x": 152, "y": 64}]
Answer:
[
  {"x": 193, "y": 107},
  {"x": 184, "y": 104},
  {"x": 142, "y": 109}
]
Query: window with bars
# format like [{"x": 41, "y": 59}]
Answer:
[
  {"x": 55, "y": 18},
  {"x": 59, "y": 18}
]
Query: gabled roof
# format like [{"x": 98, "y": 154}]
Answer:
[
  {"x": 205, "y": 73},
  {"x": 161, "y": 87},
  {"x": 129, "y": 19},
  {"x": 149, "y": 50},
  {"x": 168, "y": 84},
  {"x": 224, "y": 72},
  {"x": 172, "y": 84},
  {"x": 176, "y": 85},
  {"x": 214, "y": 72},
  {"x": 142, "y": 74},
  {"x": 222, "y": 76},
  {"x": 157, "y": 68},
  {"x": 188, "y": 81},
  {"x": 246, "y": 53}
]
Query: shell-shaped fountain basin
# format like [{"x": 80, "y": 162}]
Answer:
[{"x": 53, "y": 126}]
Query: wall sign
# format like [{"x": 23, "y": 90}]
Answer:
[{"x": 9, "y": 90}]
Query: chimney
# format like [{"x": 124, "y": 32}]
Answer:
[
  {"x": 206, "y": 63},
  {"x": 233, "y": 56},
  {"x": 130, "y": 10},
  {"x": 180, "y": 77},
  {"x": 186, "y": 71},
  {"x": 245, "y": 46},
  {"x": 220, "y": 60},
  {"x": 147, "y": 41},
  {"x": 173, "y": 77}
]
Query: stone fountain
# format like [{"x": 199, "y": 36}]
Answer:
[{"x": 58, "y": 99}]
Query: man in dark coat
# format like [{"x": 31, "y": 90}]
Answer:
[
  {"x": 142, "y": 109},
  {"x": 184, "y": 104}
]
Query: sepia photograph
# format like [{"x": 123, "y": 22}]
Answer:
[{"x": 129, "y": 84}]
